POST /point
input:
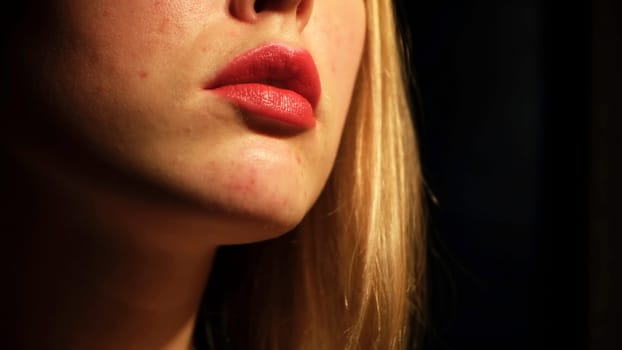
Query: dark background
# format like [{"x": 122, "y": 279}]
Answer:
[{"x": 518, "y": 110}]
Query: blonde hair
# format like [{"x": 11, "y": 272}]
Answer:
[{"x": 351, "y": 275}]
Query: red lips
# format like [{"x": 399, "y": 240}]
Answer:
[{"x": 275, "y": 83}]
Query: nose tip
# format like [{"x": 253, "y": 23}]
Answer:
[{"x": 252, "y": 10}]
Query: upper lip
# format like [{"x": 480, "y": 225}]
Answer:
[{"x": 277, "y": 65}]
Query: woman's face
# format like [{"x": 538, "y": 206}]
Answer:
[{"x": 136, "y": 79}]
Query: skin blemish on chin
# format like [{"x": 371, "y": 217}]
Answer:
[
  {"x": 244, "y": 184},
  {"x": 143, "y": 74}
]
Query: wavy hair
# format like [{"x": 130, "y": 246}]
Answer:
[{"x": 352, "y": 274}]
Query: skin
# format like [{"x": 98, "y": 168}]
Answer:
[{"x": 132, "y": 174}]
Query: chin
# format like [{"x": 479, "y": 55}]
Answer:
[
  {"x": 254, "y": 196},
  {"x": 241, "y": 219},
  {"x": 265, "y": 209}
]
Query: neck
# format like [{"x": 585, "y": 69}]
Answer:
[{"x": 95, "y": 271}]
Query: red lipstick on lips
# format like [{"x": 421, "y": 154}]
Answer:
[{"x": 272, "y": 82}]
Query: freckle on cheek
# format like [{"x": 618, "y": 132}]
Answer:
[{"x": 163, "y": 28}]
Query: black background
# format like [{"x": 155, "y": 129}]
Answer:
[{"x": 513, "y": 145}]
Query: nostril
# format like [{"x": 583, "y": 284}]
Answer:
[{"x": 260, "y": 5}]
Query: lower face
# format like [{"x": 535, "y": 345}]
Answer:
[{"x": 128, "y": 78}]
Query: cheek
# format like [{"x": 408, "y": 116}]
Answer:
[
  {"x": 131, "y": 37},
  {"x": 337, "y": 45},
  {"x": 108, "y": 62},
  {"x": 342, "y": 40}
]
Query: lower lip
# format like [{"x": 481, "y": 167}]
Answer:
[{"x": 270, "y": 103}]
